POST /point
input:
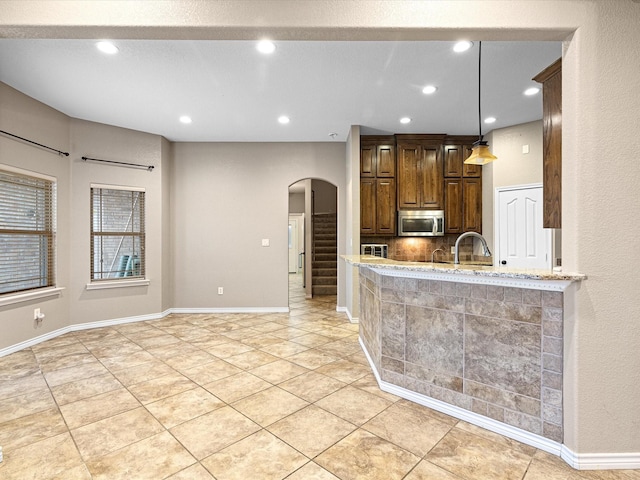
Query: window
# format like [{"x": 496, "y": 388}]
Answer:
[
  {"x": 27, "y": 231},
  {"x": 117, "y": 233}
]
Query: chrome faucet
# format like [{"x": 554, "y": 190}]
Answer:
[
  {"x": 486, "y": 252},
  {"x": 434, "y": 252}
]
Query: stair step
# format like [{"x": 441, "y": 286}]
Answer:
[
  {"x": 324, "y": 281},
  {"x": 325, "y": 264},
  {"x": 326, "y": 251},
  {"x": 325, "y": 257},
  {"x": 324, "y": 290},
  {"x": 325, "y": 272}
]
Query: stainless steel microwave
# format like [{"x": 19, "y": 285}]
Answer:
[{"x": 421, "y": 223}]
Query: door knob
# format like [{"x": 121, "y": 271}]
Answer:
[{"x": 503, "y": 262}]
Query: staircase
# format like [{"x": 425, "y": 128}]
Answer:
[{"x": 324, "y": 273}]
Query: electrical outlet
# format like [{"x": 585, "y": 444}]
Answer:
[
  {"x": 265, "y": 242},
  {"x": 220, "y": 290},
  {"x": 36, "y": 314},
  {"x": 453, "y": 250}
]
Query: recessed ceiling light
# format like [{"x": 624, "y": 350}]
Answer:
[
  {"x": 107, "y": 47},
  {"x": 185, "y": 119},
  {"x": 429, "y": 89},
  {"x": 284, "y": 119},
  {"x": 266, "y": 46},
  {"x": 490, "y": 120},
  {"x": 531, "y": 91},
  {"x": 462, "y": 46},
  {"x": 405, "y": 120}
]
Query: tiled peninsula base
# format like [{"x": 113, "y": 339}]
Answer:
[{"x": 483, "y": 347}]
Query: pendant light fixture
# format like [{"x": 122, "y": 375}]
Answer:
[{"x": 480, "y": 154}]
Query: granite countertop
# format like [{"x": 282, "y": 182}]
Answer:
[{"x": 461, "y": 269}]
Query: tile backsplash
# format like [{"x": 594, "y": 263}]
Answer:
[{"x": 419, "y": 249}]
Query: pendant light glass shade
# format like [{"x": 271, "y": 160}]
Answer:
[{"x": 480, "y": 154}]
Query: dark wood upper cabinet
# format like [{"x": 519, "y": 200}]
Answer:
[
  {"x": 420, "y": 174},
  {"x": 455, "y": 151},
  {"x": 551, "y": 79},
  {"x": 472, "y": 205},
  {"x": 463, "y": 205},
  {"x": 367, "y": 160},
  {"x": 431, "y": 191},
  {"x": 386, "y": 206},
  {"x": 462, "y": 187},
  {"x": 470, "y": 169},
  {"x": 377, "y": 156},
  {"x": 453, "y": 158},
  {"x": 386, "y": 165},
  {"x": 377, "y": 185},
  {"x": 453, "y": 205},
  {"x": 368, "y": 206}
]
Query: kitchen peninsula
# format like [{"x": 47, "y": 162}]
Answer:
[{"x": 482, "y": 343}]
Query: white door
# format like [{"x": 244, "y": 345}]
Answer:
[
  {"x": 522, "y": 242},
  {"x": 293, "y": 245}
]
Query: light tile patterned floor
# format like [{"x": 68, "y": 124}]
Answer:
[{"x": 236, "y": 396}]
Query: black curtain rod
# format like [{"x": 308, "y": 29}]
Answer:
[
  {"x": 135, "y": 165},
  {"x": 59, "y": 152}
]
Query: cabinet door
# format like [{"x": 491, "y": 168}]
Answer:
[
  {"x": 552, "y": 154},
  {"x": 368, "y": 206},
  {"x": 551, "y": 79},
  {"x": 453, "y": 205},
  {"x": 408, "y": 178},
  {"x": 469, "y": 170},
  {"x": 367, "y": 160},
  {"x": 472, "y": 204},
  {"x": 386, "y": 161},
  {"x": 386, "y": 206},
  {"x": 452, "y": 157},
  {"x": 431, "y": 178}
]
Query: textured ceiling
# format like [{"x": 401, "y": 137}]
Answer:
[{"x": 235, "y": 94}]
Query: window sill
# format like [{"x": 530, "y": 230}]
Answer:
[
  {"x": 143, "y": 282},
  {"x": 34, "y": 295}
]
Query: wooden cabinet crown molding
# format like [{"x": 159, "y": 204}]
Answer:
[
  {"x": 422, "y": 138},
  {"x": 550, "y": 71}
]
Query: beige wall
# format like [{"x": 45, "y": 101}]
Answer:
[
  {"x": 352, "y": 168},
  {"x": 512, "y": 167},
  {"x": 25, "y": 117},
  {"x": 600, "y": 105},
  {"x": 113, "y": 143},
  {"x": 226, "y": 198},
  {"x": 167, "y": 245}
]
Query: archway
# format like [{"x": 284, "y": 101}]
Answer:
[{"x": 313, "y": 215}]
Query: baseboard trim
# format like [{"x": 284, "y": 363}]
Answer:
[
  {"x": 601, "y": 461},
  {"x": 33, "y": 341},
  {"x": 118, "y": 321},
  {"x": 351, "y": 318},
  {"x": 77, "y": 327},
  {"x": 232, "y": 310}
]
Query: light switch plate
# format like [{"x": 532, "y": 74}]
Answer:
[{"x": 265, "y": 242}]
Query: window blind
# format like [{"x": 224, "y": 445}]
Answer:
[
  {"x": 117, "y": 233},
  {"x": 27, "y": 236}
]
